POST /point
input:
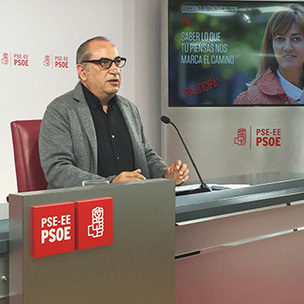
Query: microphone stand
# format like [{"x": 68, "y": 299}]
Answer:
[{"x": 203, "y": 187}]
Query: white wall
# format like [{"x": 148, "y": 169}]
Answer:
[{"x": 56, "y": 28}]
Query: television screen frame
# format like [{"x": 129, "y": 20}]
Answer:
[{"x": 213, "y": 50}]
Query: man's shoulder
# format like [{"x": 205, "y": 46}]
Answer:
[
  {"x": 68, "y": 98},
  {"x": 64, "y": 97},
  {"x": 123, "y": 101}
]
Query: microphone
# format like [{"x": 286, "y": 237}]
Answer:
[{"x": 203, "y": 187}]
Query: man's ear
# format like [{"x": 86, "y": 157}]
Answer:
[{"x": 82, "y": 72}]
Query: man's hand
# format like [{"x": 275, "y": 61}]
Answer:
[
  {"x": 127, "y": 176},
  {"x": 177, "y": 171}
]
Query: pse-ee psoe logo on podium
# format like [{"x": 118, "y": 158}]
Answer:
[{"x": 65, "y": 227}]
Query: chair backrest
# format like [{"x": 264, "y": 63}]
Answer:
[{"x": 30, "y": 176}]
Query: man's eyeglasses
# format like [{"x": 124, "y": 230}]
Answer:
[{"x": 106, "y": 63}]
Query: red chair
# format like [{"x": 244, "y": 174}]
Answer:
[{"x": 25, "y": 134}]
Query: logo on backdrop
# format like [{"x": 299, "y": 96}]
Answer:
[
  {"x": 15, "y": 59},
  {"x": 5, "y": 59},
  {"x": 259, "y": 137},
  {"x": 57, "y": 62},
  {"x": 241, "y": 137}
]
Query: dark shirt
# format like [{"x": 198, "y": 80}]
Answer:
[{"x": 115, "y": 150}]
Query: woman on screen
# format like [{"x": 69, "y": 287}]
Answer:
[{"x": 279, "y": 79}]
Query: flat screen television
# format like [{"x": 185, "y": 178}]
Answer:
[{"x": 214, "y": 48}]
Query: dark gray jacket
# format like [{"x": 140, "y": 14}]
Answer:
[{"x": 68, "y": 145}]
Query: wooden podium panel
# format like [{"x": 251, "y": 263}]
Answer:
[{"x": 137, "y": 268}]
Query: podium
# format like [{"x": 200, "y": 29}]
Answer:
[
  {"x": 232, "y": 246},
  {"x": 138, "y": 267}
]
